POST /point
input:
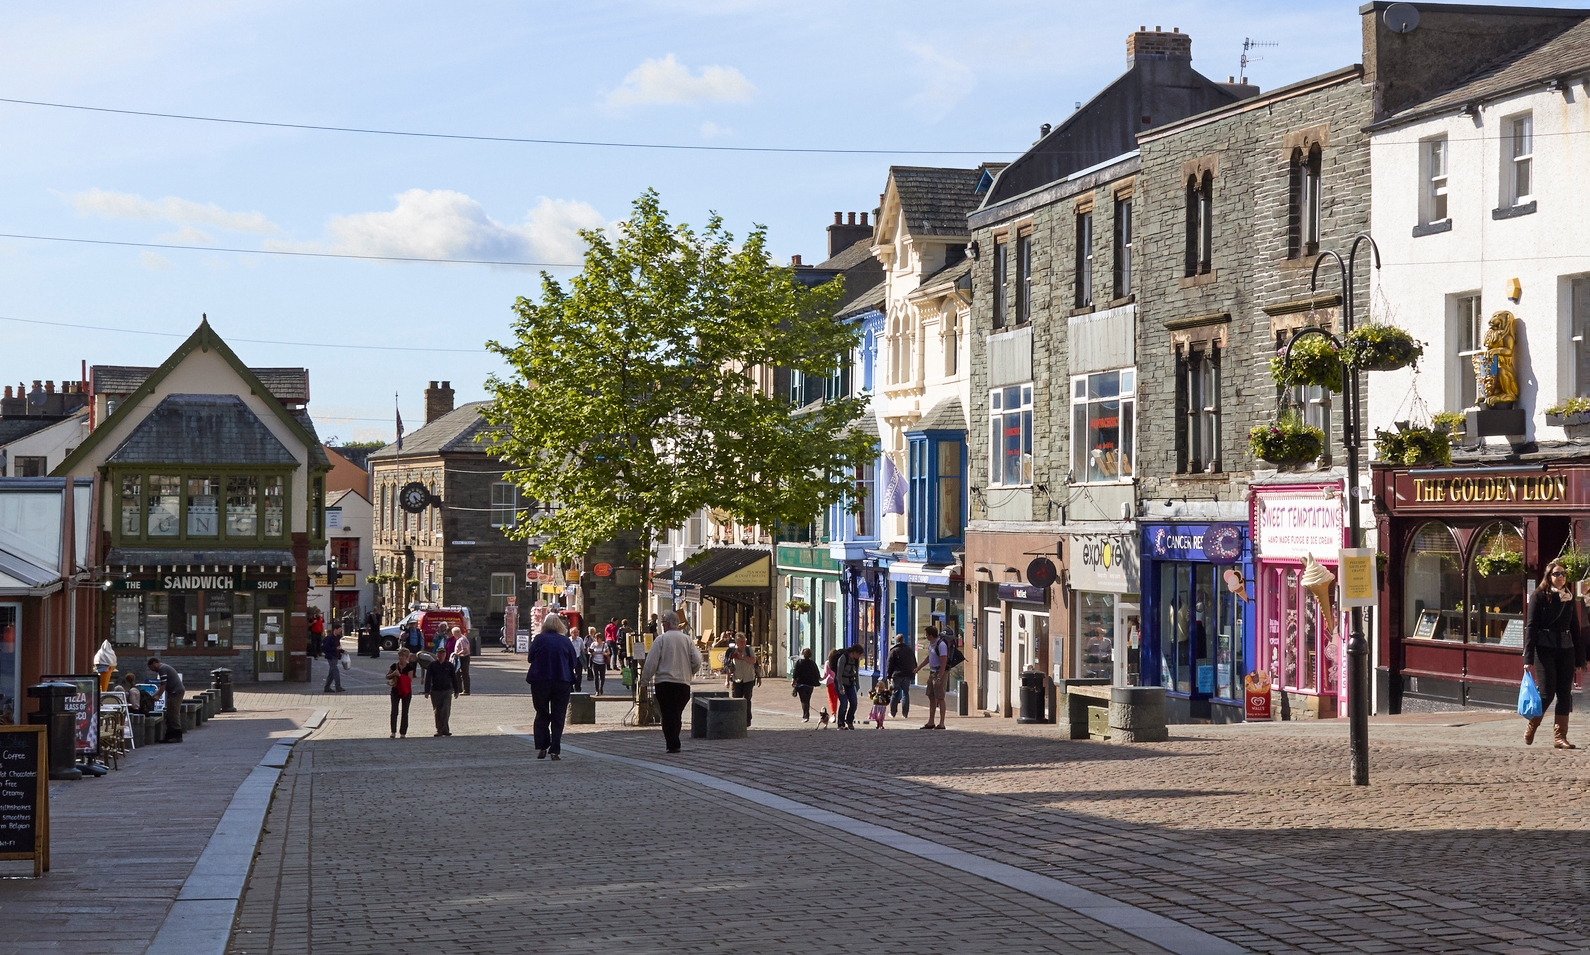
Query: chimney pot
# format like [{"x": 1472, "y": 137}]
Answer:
[
  {"x": 852, "y": 219},
  {"x": 433, "y": 384},
  {"x": 1231, "y": 79},
  {"x": 448, "y": 385},
  {"x": 49, "y": 387},
  {"x": 863, "y": 218},
  {"x": 1175, "y": 29},
  {"x": 1158, "y": 28},
  {"x": 8, "y": 391},
  {"x": 839, "y": 218}
]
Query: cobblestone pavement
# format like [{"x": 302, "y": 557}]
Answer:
[
  {"x": 122, "y": 844},
  {"x": 1466, "y": 841}
]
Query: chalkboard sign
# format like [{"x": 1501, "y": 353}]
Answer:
[
  {"x": 84, "y": 707},
  {"x": 1425, "y": 630},
  {"x": 25, "y": 796}
]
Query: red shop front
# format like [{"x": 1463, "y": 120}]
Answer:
[{"x": 1464, "y": 547}]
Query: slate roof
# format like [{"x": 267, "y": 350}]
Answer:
[
  {"x": 199, "y": 557},
  {"x": 947, "y": 415},
  {"x": 936, "y": 201},
  {"x": 452, "y": 433},
  {"x": 288, "y": 385},
  {"x": 13, "y": 428},
  {"x": 202, "y": 429},
  {"x": 868, "y": 301},
  {"x": 317, "y": 451},
  {"x": 938, "y": 282},
  {"x": 848, "y": 258},
  {"x": 1565, "y": 55}
]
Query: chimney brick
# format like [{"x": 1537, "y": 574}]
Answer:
[
  {"x": 438, "y": 400},
  {"x": 1158, "y": 45}
]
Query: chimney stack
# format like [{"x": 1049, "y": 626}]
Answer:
[
  {"x": 1158, "y": 45},
  {"x": 846, "y": 232},
  {"x": 438, "y": 400},
  {"x": 795, "y": 261}
]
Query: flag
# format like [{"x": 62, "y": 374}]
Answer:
[
  {"x": 893, "y": 490},
  {"x": 399, "y": 412}
]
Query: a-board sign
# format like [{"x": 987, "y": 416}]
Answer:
[
  {"x": 84, "y": 707},
  {"x": 25, "y": 796},
  {"x": 1425, "y": 628}
]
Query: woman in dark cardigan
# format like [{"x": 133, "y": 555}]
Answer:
[{"x": 1552, "y": 651}]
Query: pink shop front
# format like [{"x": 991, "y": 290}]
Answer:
[{"x": 1300, "y": 647}]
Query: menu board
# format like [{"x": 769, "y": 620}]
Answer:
[
  {"x": 84, "y": 707},
  {"x": 24, "y": 796}
]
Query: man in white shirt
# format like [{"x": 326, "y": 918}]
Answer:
[
  {"x": 672, "y": 661},
  {"x": 938, "y": 676}
]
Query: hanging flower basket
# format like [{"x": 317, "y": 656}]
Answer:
[
  {"x": 797, "y": 605},
  {"x": 1380, "y": 348},
  {"x": 1576, "y": 563},
  {"x": 1411, "y": 447},
  {"x": 1499, "y": 563},
  {"x": 1315, "y": 361},
  {"x": 1287, "y": 443},
  {"x": 1453, "y": 424}
]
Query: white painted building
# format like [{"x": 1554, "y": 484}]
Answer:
[
  {"x": 1473, "y": 191},
  {"x": 40, "y": 452},
  {"x": 350, "y": 524}
]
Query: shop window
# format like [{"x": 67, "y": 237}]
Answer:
[
  {"x": 1095, "y": 640},
  {"x": 1495, "y": 605},
  {"x": 165, "y": 505},
  {"x": 242, "y": 505},
  {"x": 1433, "y": 585},
  {"x": 127, "y": 621},
  {"x": 132, "y": 511},
  {"x": 1010, "y": 436},
  {"x": 1103, "y": 410},
  {"x": 1299, "y": 650},
  {"x": 502, "y": 587},
  {"x": 274, "y": 492},
  {"x": 504, "y": 504},
  {"x": 1201, "y": 634},
  {"x": 157, "y": 625}
]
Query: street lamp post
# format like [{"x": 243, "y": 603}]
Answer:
[{"x": 1357, "y": 644}]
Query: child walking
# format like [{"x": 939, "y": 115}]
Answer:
[{"x": 880, "y": 702}]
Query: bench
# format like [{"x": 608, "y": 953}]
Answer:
[{"x": 1124, "y": 714}]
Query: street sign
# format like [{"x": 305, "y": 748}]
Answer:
[{"x": 532, "y": 575}]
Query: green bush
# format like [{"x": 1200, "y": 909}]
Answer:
[
  {"x": 1412, "y": 447},
  {"x": 1380, "y": 348},
  {"x": 1315, "y": 361},
  {"x": 1288, "y": 441}
]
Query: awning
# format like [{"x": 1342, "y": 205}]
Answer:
[
  {"x": 904, "y": 571},
  {"x": 198, "y": 557},
  {"x": 721, "y": 568}
]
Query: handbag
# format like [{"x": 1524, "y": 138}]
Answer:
[
  {"x": 1529, "y": 706},
  {"x": 628, "y": 676}
]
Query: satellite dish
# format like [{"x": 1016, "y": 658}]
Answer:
[
  {"x": 36, "y": 397},
  {"x": 1402, "y": 17}
]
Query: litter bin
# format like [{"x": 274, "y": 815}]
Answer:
[
  {"x": 60, "y": 727},
  {"x": 1032, "y": 697},
  {"x": 221, "y": 678},
  {"x": 582, "y": 708}
]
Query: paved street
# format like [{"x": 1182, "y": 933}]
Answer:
[{"x": 1246, "y": 833}]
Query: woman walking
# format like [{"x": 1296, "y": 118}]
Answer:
[
  {"x": 1552, "y": 651},
  {"x": 806, "y": 678},
  {"x": 598, "y": 664},
  {"x": 400, "y": 677}
]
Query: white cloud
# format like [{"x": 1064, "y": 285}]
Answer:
[
  {"x": 153, "y": 261},
  {"x": 669, "y": 81},
  {"x": 125, "y": 205},
  {"x": 944, "y": 82},
  {"x": 711, "y": 130},
  {"x": 187, "y": 235},
  {"x": 442, "y": 224}
]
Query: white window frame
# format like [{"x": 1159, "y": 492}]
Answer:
[
  {"x": 1434, "y": 203},
  {"x": 501, "y": 590},
  {"x": 511, "y": 506},
  {"x": 1519, "y": 160},
  {"x": 1468, "y": 328},
  {"x": 1081, "y": 453},
  {"x": 996, "y": 433}
]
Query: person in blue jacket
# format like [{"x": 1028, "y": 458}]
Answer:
[{"x": 551, "y": 679}]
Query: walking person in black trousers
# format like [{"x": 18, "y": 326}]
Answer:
[
  {"x": 441, "y": 685},
  {"x": 806, "y": 677},
  {"x": 1552, "y": 651},
  {"x": 400, "y": 677},
  {"x": 553, "y": 668},
  {"x": 672, "y": 661}
]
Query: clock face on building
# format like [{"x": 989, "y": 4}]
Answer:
[{"x": 414, "y": 497}]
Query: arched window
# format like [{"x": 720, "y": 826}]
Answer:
[
  {"x": 1303, "y": 202},
  {"x": 1432, "y": 585},
  {"x": 1496, "y": 587}
]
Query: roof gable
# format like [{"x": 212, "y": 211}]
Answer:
[
  {"x": 202, "y": 429},
  {"x": 934, "y": 201}
]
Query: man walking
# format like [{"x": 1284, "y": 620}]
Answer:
[
  {"x": 900, "y": 671},
  {"x": 672, "y": 661},
  {"x": 331, "y": 649},
  {"x": 938, "y": 660},
  {"x": 441, "y": 685},
  {"x": 551, "y": 677},
  {"x": 847, "y": 678},
  {"x": 744, "y": 673},
  {"x": 171, "y": 690},
  {"x": 461, "y": 656}
]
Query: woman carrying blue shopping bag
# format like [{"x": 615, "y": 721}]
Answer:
[{"x": 1552, "y": 652}]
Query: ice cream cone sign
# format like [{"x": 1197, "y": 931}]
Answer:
[{"x": 1322, "y": 584}]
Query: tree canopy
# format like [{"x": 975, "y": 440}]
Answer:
[{"x": 631, "y": 399}]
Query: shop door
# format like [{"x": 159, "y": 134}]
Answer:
[
  {"x": 993, "y": 650},
  {"x": 1021, "y": 648},
  {"x": 1128, "y": 643},
  {"x": 270, "y": 652}
]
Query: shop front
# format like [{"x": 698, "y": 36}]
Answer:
[
  {"x": 1105, "y": 569},
  {"x": 1016, "y": 624},
  {"x": 928, "y": 595},
  {"x": 1465, "y": 547},
  {"x": 1197, "y": 615},
  {"x": 722, "y": 589},
  {"x": 1302, "y": 645},
  {"x": 813, "y": 611}
]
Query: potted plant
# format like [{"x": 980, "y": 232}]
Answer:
[
  {"x": 1572, "y": 415},
  {"x": 1413, "y": 446},
  {"x": 1286, "y": 443},
  {"x": 1453, "y": 424},
  {"x": 1499, "y": 563},
  {"x": 1315, "y": 361},
  {"x": 1376, "y": 347}
]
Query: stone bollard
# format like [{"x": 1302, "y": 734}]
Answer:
[
  {"x": 582, "y": 708},
  {"x": 1137, "y": 714}
]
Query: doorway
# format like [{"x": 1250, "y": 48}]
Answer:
[
  {"x": 270, "y": 653},
  {"x": 993, "y": 650},
  {"x": 1128, "y": 644}
]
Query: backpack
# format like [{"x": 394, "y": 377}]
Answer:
[{"x": 956, "y": 657}]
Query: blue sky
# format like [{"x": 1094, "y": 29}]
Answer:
[{"x": 918, "y": 75}]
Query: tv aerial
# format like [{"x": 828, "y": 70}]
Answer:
[{"x": 1248, "y": 46}]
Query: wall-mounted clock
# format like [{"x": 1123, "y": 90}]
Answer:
[{"x": 415, "y": 497}]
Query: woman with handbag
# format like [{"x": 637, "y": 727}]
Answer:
[
  {"x": 400, "y": 677},
  {"x": 1552, "y": 651}
]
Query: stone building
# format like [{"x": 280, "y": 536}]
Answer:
[{"x": 1054, "y": 301}]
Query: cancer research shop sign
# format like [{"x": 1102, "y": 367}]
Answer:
[{"x": 1295, "y": 524}]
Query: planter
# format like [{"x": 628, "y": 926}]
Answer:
[
  {"x": 1575, "y": 423},
  {"x": 1286, "y": 444},
  {"x": 1380, "y": 348},
  {"x": 1315, "y": 361}
]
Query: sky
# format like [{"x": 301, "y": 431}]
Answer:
[{"x": 978, "y": 79}]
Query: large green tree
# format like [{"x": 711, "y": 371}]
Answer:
[{"x": 631, "y": 400}]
